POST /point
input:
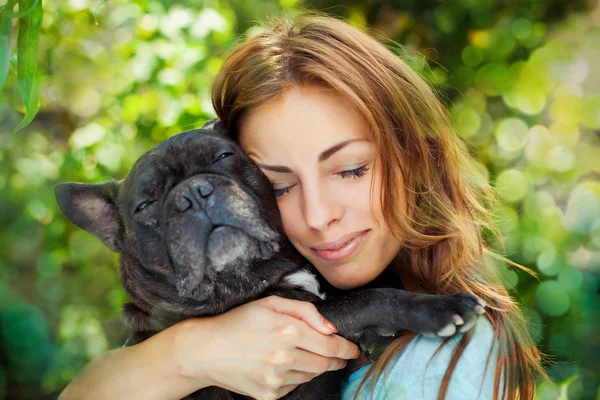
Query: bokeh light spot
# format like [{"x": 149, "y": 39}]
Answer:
[
  {"x": 522, "y": 28},
  {"x": 583, "y": 208},
  {"x": 552, "y": 298},
  {"x": 472, "y": 55},
  {"x": 512, "y": 185},
  {"x": 512, "y": 134}
]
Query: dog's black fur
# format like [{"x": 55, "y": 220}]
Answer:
[{"x": 198, "y": 232}]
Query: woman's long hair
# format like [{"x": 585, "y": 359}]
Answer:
[{"x": 450, "y": 206}]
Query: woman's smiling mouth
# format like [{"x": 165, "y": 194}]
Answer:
[{"x": 341, "y": 248}]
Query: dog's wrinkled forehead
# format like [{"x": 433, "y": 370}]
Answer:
[
  {"x": 196, "y": 146},
  {"x": 181, "y": 156},
  {"x": 192, "y": 148}
]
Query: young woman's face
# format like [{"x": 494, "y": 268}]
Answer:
[{"x": 319, "y": 155}]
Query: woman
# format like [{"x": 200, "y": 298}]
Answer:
[{"x": 369, "y": 176}]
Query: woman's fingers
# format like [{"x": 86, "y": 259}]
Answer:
[
  {"x": 301, "y": 310},
  {"x": 277, "y": 384},
  {"x": 299, "y": 360},
  {"x": 326, "y": 346},
  {"x": 316, "y": 364},
  {"x": 305, "y": 337}
]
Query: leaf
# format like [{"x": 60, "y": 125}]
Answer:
[
  {"x": 5, "y": 36},
  {"x": 27, "y": 50},
  {"x": 24, "y": 12}
]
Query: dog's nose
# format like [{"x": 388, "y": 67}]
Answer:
[
  {"x": 182, "y": 203},
  {"x": 205, "y": 188}
]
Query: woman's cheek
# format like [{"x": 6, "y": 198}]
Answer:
[
  {"x": 354, "y": 193},
  {"x": 289, "y": 217}
]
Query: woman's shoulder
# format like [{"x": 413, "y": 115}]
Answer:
[
  {"x": 421, "y": 350},
  {"x": 418, "y": 371}
]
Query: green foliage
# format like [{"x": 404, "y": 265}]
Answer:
[
  {"x": 116, "y": 77},
  {"x": 5, "y": 36},
  {"x": 30, "y": 18},
  {"x": 27, "y": 50}
]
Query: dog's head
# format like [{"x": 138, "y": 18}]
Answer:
[{"x": 194, "y": 220}]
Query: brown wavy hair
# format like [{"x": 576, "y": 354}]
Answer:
[{"x": 450, "y": 205}]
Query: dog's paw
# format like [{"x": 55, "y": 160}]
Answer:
[
  {"x": 453, "y": 314},
  {"x": 373, "y": 343}
]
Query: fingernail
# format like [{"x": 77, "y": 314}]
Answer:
[
  {"x": 344, "y": 363},
  {"x": 356, "y": 353},
  {"x": 329, "y": 325}
]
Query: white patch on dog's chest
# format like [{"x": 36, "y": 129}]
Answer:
[{"x": 306, "y": 280}]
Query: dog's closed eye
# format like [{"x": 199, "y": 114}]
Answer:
[
  {"x": 222, "y": 156},
  {"x": 143, "y": 205}
]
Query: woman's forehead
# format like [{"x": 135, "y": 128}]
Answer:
[{"x": 303, "y": 119}]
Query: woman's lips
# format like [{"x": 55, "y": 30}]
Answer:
[{"x": 335, "y": 253}]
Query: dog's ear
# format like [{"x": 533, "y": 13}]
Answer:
[
  {"x": 216, "y": 125},
  {"x": 92, "y": 207}
]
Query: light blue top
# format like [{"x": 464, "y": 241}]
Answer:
[{"x": 409, "y": 376}]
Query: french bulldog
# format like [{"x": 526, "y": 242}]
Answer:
[{"x": 198, "y": 231}]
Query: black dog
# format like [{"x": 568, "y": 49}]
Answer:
[{"x": 198, "y": 231}]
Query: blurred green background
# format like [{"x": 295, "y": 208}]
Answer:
[{"x": 521, "y": 79}]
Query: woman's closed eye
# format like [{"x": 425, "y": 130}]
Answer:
[
  {"x": 357, "y": 172},
  {"x": 351, "y": 173}
]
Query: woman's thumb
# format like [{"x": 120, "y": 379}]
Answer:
[{"x": 301, "y": 310}]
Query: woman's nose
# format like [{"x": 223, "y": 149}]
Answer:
[{"x": 321, "y": 208}]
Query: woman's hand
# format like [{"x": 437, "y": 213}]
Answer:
[{"x": 263, "y": 349}]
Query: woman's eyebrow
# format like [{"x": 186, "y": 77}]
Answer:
[
  {"x": 275, "y": 168},
  {"x": 325, "y": 154}
]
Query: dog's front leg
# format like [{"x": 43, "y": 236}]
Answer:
[{"x": 387, "y": 311}]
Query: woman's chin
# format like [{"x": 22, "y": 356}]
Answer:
[
  {"x": 346, "y": 277},
  {"x": 346, "y": 285}
]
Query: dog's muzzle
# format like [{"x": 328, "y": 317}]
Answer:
[{"x": 213, "y": 223}]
